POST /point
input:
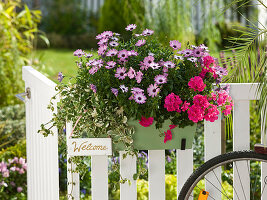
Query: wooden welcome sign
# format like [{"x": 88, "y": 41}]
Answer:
[{"x": 89, "y": 146}]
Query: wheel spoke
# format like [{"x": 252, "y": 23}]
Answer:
[
  {"x": 209, "y": 194},
  {"x": 215, "y": 187},
  {"x": 240, "y": 180},
  {"x": 220, "y": 184}
]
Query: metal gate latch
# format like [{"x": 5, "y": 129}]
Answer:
[{"x": 27, "y": 94}]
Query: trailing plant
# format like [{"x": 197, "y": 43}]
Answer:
[{"x": 138, "y": 79}]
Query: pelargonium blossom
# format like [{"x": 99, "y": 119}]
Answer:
[
  {"x": 195, "y": 113},
  {"x": 168, "y": 136},
  {"x": 153, "y": 90},
  {"x": 207, "y": 61},
  {"x": 175, "y": 44},
  {"x": 146, "y": 122},
  {"x": 185, "y": 106},
  {"x": 172, "y": 103},
  {"x": 201, "y": 101},
  {"x": 130, "y": 27},
  {"x": 211, "y": 113},
  {"x": 196, "y": 83}
]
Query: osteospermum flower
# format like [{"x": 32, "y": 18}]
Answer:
[
  {"x": 124, "y": 88},
  {"x": 115, "y": 91},
  {"x": 107, "y": 34},
  {"x": 154, "y": 65},
  {"x": 93, "y": 70},
  {"x": 147, "y": 32},
  {"x": 187, "y": 52},
  {"x": 169, "y": 64},
  {"x": 140, "y": 43},
  {"x": 88, "y": 55},
  {"x": 198, "y": 52},
  {"x": 132, "y": 53},
  {"x": 175, "y": 44},
  {"x": 102, "y": 49},
  {"x": 93, "y": 87},
  {"x": 131, "y": 73},
  {"x": 160, "y": 79},
  {"x": 139, "y": 77},
  {"x": 60, "y": 76},
  {"x": 153, "y": 90},
  {"x": 140, "y": 98},
  {"x": 192, "y": 59},
  {"x": 103, "y": 41},
  {"x": 113, "y": 44},
  {"x": 99, "y": 36},
  {"x": 148, "y": 60},
  {"x": 130, "y": 27},
  {"x": 110, "y": 64},
  {"x": 123, "y": 54},
  {"x": 112, "y": 52},
  {"x": 121, "y": 73},
  {"x": 136, "y": 90},
  {"x": 78, "y": 53},
  {"x": 114, "y": 38}
]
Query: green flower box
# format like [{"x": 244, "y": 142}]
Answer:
[{"x": 148, "y": 138}]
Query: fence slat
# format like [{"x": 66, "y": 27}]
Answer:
[
  {"x": 99, "y": 175},
  {"x": 73, "y": 178},
  {"x": 212, "y": 138},
  {"x": 42, "y": 152},
  {"x": 263, "y": 165},
  {"x": 127, "y": 170},
  {"x": 156, "y": 174},
  {"x": 241, "y": 141},
  {"x": 184, "y": 167}
]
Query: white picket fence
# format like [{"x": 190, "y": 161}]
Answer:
[{"x": 42, "y": 152}]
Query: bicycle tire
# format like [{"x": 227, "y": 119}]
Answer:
[{"x": 217, "y": 161}]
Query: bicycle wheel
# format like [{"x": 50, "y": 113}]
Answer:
[{"x": 214, "y": 179}]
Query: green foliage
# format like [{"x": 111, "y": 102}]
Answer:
[
  {"x": 12, "y": 125},
  {"x": 18, "y": 27},
  {"x": 18, "y": 150}
]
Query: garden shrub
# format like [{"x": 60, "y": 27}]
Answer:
[{"x": 18, "y": 27}]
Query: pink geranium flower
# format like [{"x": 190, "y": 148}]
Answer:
[
  {"x": 195, "y": 113},
  {"x": 201, "y": 101},
  {"x": 211, "y": 113},
  {"x": 172, "y": 103},
  {"x": 168, "y": 136},
  {"x": 207, "y": 61},
  {"x": 185, "y": 106},
  {"x": 146, "y": 122},
  {"x": 172, "y": 126},
  {"x": 196, "y": 83}
]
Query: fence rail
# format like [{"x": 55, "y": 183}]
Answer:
[{"x": 42, "y": 152}]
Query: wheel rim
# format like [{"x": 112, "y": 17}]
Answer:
[{"x": 236, "y": 167}]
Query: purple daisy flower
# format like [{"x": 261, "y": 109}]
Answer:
[
  {"x": 132, "y": 53},
  {"x": 175, "y": 44},
  {"x": 160, "y": 79},
  {"x": 221, "y": 71},
  {"x": 139, "y": 77},
  {"x": 140, "y": 43},
  {"x": 114, "y": 39},
  {"x": 130, "y": 27},
  {"x": 178, "y": 57},
  {"x": 99, "y": 36},
  {"x": 107, "y": 34},
  {"x": 60, "y": 76},
  {"x": 198, "y": 52},
  {"x": 93, "y": 87},
  {"x": 154, "y": 65},
  {"x": 93, "y": 70},
  {"x": 148, "y": 60},
  {"x": 136, "y": 90},
  {"x": 131, "y": 73},
  {"x": 112, "y": 52},
  {"x": 120, "y": 73},
  {"x": 153, "y": 90},
  {"x": 115, "y": 91},
  {"x": 169, "y": 64},
  {"x": 168, "y": 158},
  {"x": 187, "y": 52},
  {"x": 113, "y": 44},
  {"x": 165, "y": 69},
  {"x": 123, "y": 54},
  {"x": 110, "y": 64},
  {"x": 102, "y": 49},
  {"x": 137, "y": 35},
  {"x": 88, "y": 55},
  {"x": 124, "y": 88},
  {"x": 78, "y": 53},
  {"x": 192, "y": 59},
  {"x": 103, "y": 41},
  {"x": 151, "y": 54},
  {"x": 147, "y": 32},
  {"x": 140, "y": 98},
  {"x": 202, "y": 46}
]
